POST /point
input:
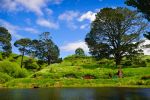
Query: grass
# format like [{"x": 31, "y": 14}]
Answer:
[
  {"x": 55, "y": 78},
  {"x": 81, "y": 72}
]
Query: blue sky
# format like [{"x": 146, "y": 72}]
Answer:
[{"x": 68, "y": 21}]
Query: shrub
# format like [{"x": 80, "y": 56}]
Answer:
[
  {"x": 106, "y": 63},
  {"x": 127, "y": 63},
  {"x": 12, "y": 69},
  {"x": 30, "y": 64},
  {"x": 4, "y": 77},
  {"x": 137, "y": 63}
]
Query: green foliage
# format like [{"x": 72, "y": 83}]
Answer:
[
  {"x": 4, "y": 77},
  {"x": 5, "y": 45},
  {"x": 137, "y": 63},
  {"x": 79, "y": 52},
  {"x": 141, "y": 5},
  {"x": 112, "y": 33},
  {"x": 31, "y": 64},
  {"x": 23, "y": 46},
  {"x": 106, "y": 63},
  {"x": 45, "y": 49},
  {"x": 12, "y": 69}
]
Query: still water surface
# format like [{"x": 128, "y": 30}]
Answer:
[{"x": 76, "y": 94}]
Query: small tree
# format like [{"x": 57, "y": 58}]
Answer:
[
  {"x": 23, "y": 46},
  {"x": 5, "y": 38},
  {"x": 79, "y": 52}
]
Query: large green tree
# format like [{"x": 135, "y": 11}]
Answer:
[
  {"x": 115, "y": 33},
  {"x": 23, "y": 46},
  {"x": 5, "y": 41},
  {"x": 45, "y": 49},
  {"x": 142, "y": 6}
]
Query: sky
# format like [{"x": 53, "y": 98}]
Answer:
[{"x": 68, "y": 21}]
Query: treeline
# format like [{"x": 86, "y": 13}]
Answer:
[{"x": 44, "y": 49}]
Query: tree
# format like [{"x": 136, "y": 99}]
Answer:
[
  {"x": 45, "y": 49},
  {"x": 23, "y": 46},
  {"x": 5, "y": 38},
  {"x": 79, "y": 52},
  {"x": 115, "y": 33},
  {"x": 142, "y": 6}
]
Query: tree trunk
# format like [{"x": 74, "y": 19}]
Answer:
[
  {"x": 120, "y": 73},
  {"x": 118, "y": 61},
  {"x": 22, "y": 59},
  {"x": 49, "y": 60}
]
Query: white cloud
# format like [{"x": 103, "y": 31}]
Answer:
[
  {"x": 49, "y": 11},
  {"x": 35, "y": 6},
  {"x": 74, "y": 45},
  {"x": 146, "y": 51},
  {"x": 46, "y": 23},
  {"x": 68, "y": 15},
  {"x": 84, "y": 26},
  {"x": 88, "y": 16},
  {"x": 13, "y": 29},
  {"x": 31, "y": 30},
  {"x": 56, "y": 1}
]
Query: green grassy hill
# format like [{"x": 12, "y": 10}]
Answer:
[{"x": 75, "y": 71}]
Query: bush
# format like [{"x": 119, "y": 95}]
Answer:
[
  {"x": 127, "y": 63},
  {"x": 30, "y": 64},
  {"x": 4, "y": 77},
  {"x": 106, "y": 63},
  {"x": 12, "y": 69},
  {"x": 148, "y": 60},
  {"x": 140, "y": 63}
]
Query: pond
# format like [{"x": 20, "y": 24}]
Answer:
[{"x": 76, "y": 94}]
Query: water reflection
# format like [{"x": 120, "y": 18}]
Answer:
[{"x": 76, "y": 94}]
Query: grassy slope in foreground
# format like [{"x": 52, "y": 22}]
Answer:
[
  {"x": 57, "y": 77},
  {"x": 76, "y": 71}
]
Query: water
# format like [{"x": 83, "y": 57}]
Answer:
[{"x": 76, "y": 94}]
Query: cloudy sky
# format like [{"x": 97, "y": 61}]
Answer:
[{"x": 68, "y": 21}]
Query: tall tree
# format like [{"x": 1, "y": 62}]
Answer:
[
  {"x": 115, "y": 33},
  {"x": 23, "y": 46},
  {"x": 142, "y": 6},
  {"x": 79, "y": 52},
  {"x": 5, "y": 41},
  {"x": 45, "y": 49}
]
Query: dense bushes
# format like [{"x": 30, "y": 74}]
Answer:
[
  {"x": 31, "y": 64},
  {"x": 4, "y": 77},
  {"x": 12, "y": 69}
]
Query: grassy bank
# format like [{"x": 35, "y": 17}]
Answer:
[{"x": 133, "y": 77}]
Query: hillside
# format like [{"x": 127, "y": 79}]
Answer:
[{"x": 73, "y": 71}]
